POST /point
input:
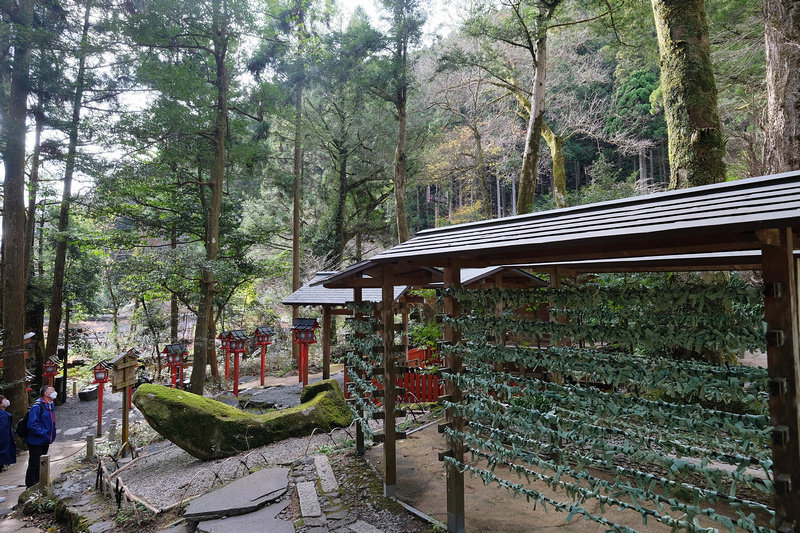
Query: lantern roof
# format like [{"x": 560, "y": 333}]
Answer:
[
  {"x": 174, "y": 349},
  {"x": 131, "y": 353},
  {"x": 264, "y": 330},
  {"x": 305, "y": 324},
  {"x": 222, "y": 335},
  {"x": 237, "y": 335},
  {"x": 54, "y": 359},
  {"x": 104, "y": 365}
]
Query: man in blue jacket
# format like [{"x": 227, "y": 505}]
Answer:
[{"x": 41, "y": 432}]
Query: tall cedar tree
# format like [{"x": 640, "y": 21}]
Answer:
[
  {"x": 405, "y": 18},
  {"x": 696, "y": 143},
  {"x": 14, "y": 289},
  {"x": 783, "y": 78}
]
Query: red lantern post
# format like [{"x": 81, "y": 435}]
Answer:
[
  {"x": 101, "y": 377},
  {"x": 263, "y": 334},
  {"x": 237, "y": 340},
  {"x": 223, "y": 337},
  {"x": 50, "y": 370},
  {"x": 176, "y": 355},
  {"x": 304, "y": 335}
]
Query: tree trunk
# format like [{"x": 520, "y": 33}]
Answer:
[
  {"x": 530, "y": 158},
  {"x": 481, "y": 169},
  {"x": 33, "y": 189},
  {"x": 400, "y": 172},
  {"x": 556, "y": 144},
  {"x": 60, "y": 260},
  {"x": 298, "y": 173},
  {"x": 14, "y": 289},
  {"x": 782, "y": 34},
  {"x": 644, "y": 185},
  {"x": 696, "y": 144},
  {"x": 173, "y": 298},
  {"x": 203, "y": 343}
]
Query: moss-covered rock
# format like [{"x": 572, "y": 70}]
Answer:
[{"x": 208, "y": 429}]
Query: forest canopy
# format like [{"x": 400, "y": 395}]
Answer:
[{"x": 209, "y": 155}]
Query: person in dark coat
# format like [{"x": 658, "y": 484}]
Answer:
[
  {"x": 8, "y": 446},
  {"x": 41, "y": 432}
]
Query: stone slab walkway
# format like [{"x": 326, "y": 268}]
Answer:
[{"x": 243, "y": 496}]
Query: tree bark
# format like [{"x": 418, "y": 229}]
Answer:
[
  {"x": 782, "y": 33},
  {"x": 556, "y": 144},
  {"x": 203, "y": 342},
  {"x": 696, "y": 144},
  {"x": 298, "y": 173},
  {"x": 14, "y": 289},
  {"x": 400, "y": 173},
  {"x": 530, "y": 158},
  {"x": 60, "y": 261}
]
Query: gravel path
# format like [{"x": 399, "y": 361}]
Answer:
[{"x": 164, "y": 474}]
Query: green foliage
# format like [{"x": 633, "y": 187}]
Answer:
[
  {"x": 606, "y": 184},
  {"x": 425, "y": 335},
  {"x": 633, "y": 107}
]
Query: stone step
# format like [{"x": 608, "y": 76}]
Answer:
[
  {"x": 327, "y": 480},
  {"x": 245, "y": 495}
]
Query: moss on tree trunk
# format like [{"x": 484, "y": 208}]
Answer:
[{"x": 696, "y": 144}]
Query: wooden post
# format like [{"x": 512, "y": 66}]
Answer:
[
  {"x": 389, "y": 392},
  {"x": 236, "y": 374},
  {"x": 455, "y": 479},
  {"x": 326, "y": 342},
  {"x": 126, "y": 394},
  {"x": 263, "y": 361},
  {"x": 100, "y": 386},
  {"x": 405, "y": 312},
  {"x": 89, "y": 446},
  {"x": 358, "y": 298},
  {"x": 783, "y": 362},
  {"x": 44, "y": 472}
]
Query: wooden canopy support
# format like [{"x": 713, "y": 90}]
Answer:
[
  {"x": 455, "y": 479},
  {"x": 326, "y": 342},
  {"x": 358, "y": 298},
  {"x": 390, "y": 444},
  {"x": 783, "y": 362}
]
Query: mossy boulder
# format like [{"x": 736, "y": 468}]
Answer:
[{"x": 208, "y": 429}]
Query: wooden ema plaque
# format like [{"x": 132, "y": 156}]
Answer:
[{"x": 124, "y": 366}]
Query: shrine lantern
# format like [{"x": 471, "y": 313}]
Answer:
[
  {"x": 102, "y": 375},
  {"x": 225, "y": 346},
  {"x": 101, "y": 372},
  {"x": 237, "y": 344},
  {"x": 263, "y": 336},
  {"x": 176, "y": 357},
  {"x": 303, "y": 335},
  {"x": 50, "y": 370}
]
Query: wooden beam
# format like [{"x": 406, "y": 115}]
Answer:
[
  {"x": 783, "y": 361},
  {"x": 357, "y": 298},
  {"x": 455, "y": 479},
  {"x": 326, "y": 342},
  {"x": 389, "y": 444},
  {"x": 340, "y": 312}
]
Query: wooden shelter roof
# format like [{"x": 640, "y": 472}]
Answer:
[
  {"x": 715, "y": 218},
  {"x": 314, "y": 293}
]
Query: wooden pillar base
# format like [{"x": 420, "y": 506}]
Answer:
[
  {"x": 390, "y": 491},
  {"x": 360, "y": 448},
  {"x": 455, "y": 523}
]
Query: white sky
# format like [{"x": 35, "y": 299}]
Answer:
[{"x": 442, "y": 14}]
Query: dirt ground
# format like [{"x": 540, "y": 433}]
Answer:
[{"x": 421, "y": 483}]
